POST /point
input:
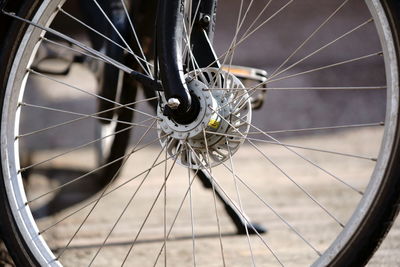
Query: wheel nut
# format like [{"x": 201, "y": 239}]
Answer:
[{"x": 173, "y": 103}]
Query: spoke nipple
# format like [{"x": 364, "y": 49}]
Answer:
[
  {"x": 188, "y": 79},
  {"x": 173, "y": 103}
]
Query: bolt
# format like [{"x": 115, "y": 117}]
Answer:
[
  {"x": 206, "y": 20},
  {"x": 173, "y": 103}
]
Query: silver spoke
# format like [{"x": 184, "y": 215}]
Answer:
[
  {"x": 341, "y": 88},
  {"x": 75, "y": 42},
  {"x": 128, "y": 204},
  {"x": 80, "y": 115},
  {"x": 102, "y": 194},
  {"x": 349, "y": 126},
  {"x": 306, "y": 159},
  {"x": 98, "y": 33},
  {"x": 88, "y": 93},
  {"x": 297, "y": 146},
  {"x": 150, "y": 211},
  {"x": 140, "y": 124},
  {"x": 191, "y": 207},
  {"x": 122, "y": 158},
  {"x": 310, "y": 37},
  {"x": 207, "y": 158},
  {"x": 380, "y": 53},
  {"x": 323, "y": 47},
  {"x": 232, "y": 170},
  {"x": 286, "y": 175},
  {"x": 291, "y": 227},
  {"x": 176, "y": 216},
  {"x": 148, "y": 72},
  {"x": 148, "y": 64},
  {"x": 238, "y": 209}
]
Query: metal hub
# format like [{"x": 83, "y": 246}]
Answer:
[{"x": 220, "y": 127}]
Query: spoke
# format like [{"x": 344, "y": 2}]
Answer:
[
  {"x": 310, "y": 37},
  {"x": 89, "y": 93},
  {"x": 239, "y": 25},
  {"x": 296, "y": 146},
  {"x": 135, "y": 35},
  {"x": 99, "y": 33},
  {"x": 305, "y": 158},
  {"x": 191, "y": 207},
  {"x": 248, "y": 34},
  {"x": 176, "y": 216},
  {"x": 74, "y": 113},
  {"x": 72, "y": 150},
  {"x": 324, "y": 47},
  {"x": 291, "y": 227},
  {"x": 380, "y": 53},
  {"x": 72, "y": 49},
  {"x": 102, "y": 194},
  {"x": 75, "y": 42},
  {"x": 122, "y": 158},
  {"x": 148, "y": 72},
  {"x": 323, "y": 128},
  {"x": 299, "y": 88},
  {"x": 238, "y": 209},
  {"x": 232, "y": 170},
  {"x": 207, "y": 158},
  {"x": 106, "y": 194},
  {"x": 89, "y": 116},
  {"x": 285, "y": 174},
  {"x": 165, "y": 207},
  {"x": 150, "y": 210},
  {"x": 128, "y": 204}
]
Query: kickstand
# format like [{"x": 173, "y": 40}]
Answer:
[{"x": 240, "y": 220}]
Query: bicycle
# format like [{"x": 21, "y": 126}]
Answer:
[{"x": 204, "y": 107}]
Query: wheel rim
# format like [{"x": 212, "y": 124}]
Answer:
[{"x": 10, "y": 128}]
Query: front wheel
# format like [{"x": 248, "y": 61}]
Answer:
[{"x": 296, "y": 128}]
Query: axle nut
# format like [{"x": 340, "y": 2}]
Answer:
[{"x": 173, "y": 103}]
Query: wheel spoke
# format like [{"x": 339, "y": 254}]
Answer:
[
  {"x": 323, "y": 47},
  {"x": 148, "y": 64},
  {"x": 140, "y": 124},
  {"x": 127, "y": 205},
  {"x": 297, "y": 146},
  {"x": 102, "y": 193},
  {"x": 232, "y": 170},
  {"x": 74, "y": 42},
  {"x": 238, "y": 209},
  {"x": 291, "y": 227},
  {"x": 150, "y": 210},
  {"x": 321, "y": 26},
  {"x": 105, "y": 194},
  {"x": 89, "y": 93},
  {"x": 123, "y": 158},
  {"x": 285, "y": 174},
  {"x": 148, "y": 72},
  {"x": 208, "y": 161}
]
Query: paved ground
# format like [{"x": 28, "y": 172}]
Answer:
[{"x": 291, "y": 203}]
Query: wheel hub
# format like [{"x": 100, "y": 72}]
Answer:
[{"x": 220, "y": 127}]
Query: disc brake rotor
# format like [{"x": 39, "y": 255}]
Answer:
[{"x": 221, "y": 126}]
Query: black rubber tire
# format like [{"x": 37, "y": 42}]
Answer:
[
  {"x": 11, "y": 236},
  {"x": 380, "y": 219},
  {"x": 8, "y": 231},
  {"x": 361, "y": 247}
]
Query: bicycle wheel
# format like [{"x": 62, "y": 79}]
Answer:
[{"x": 312, "y": 157}]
